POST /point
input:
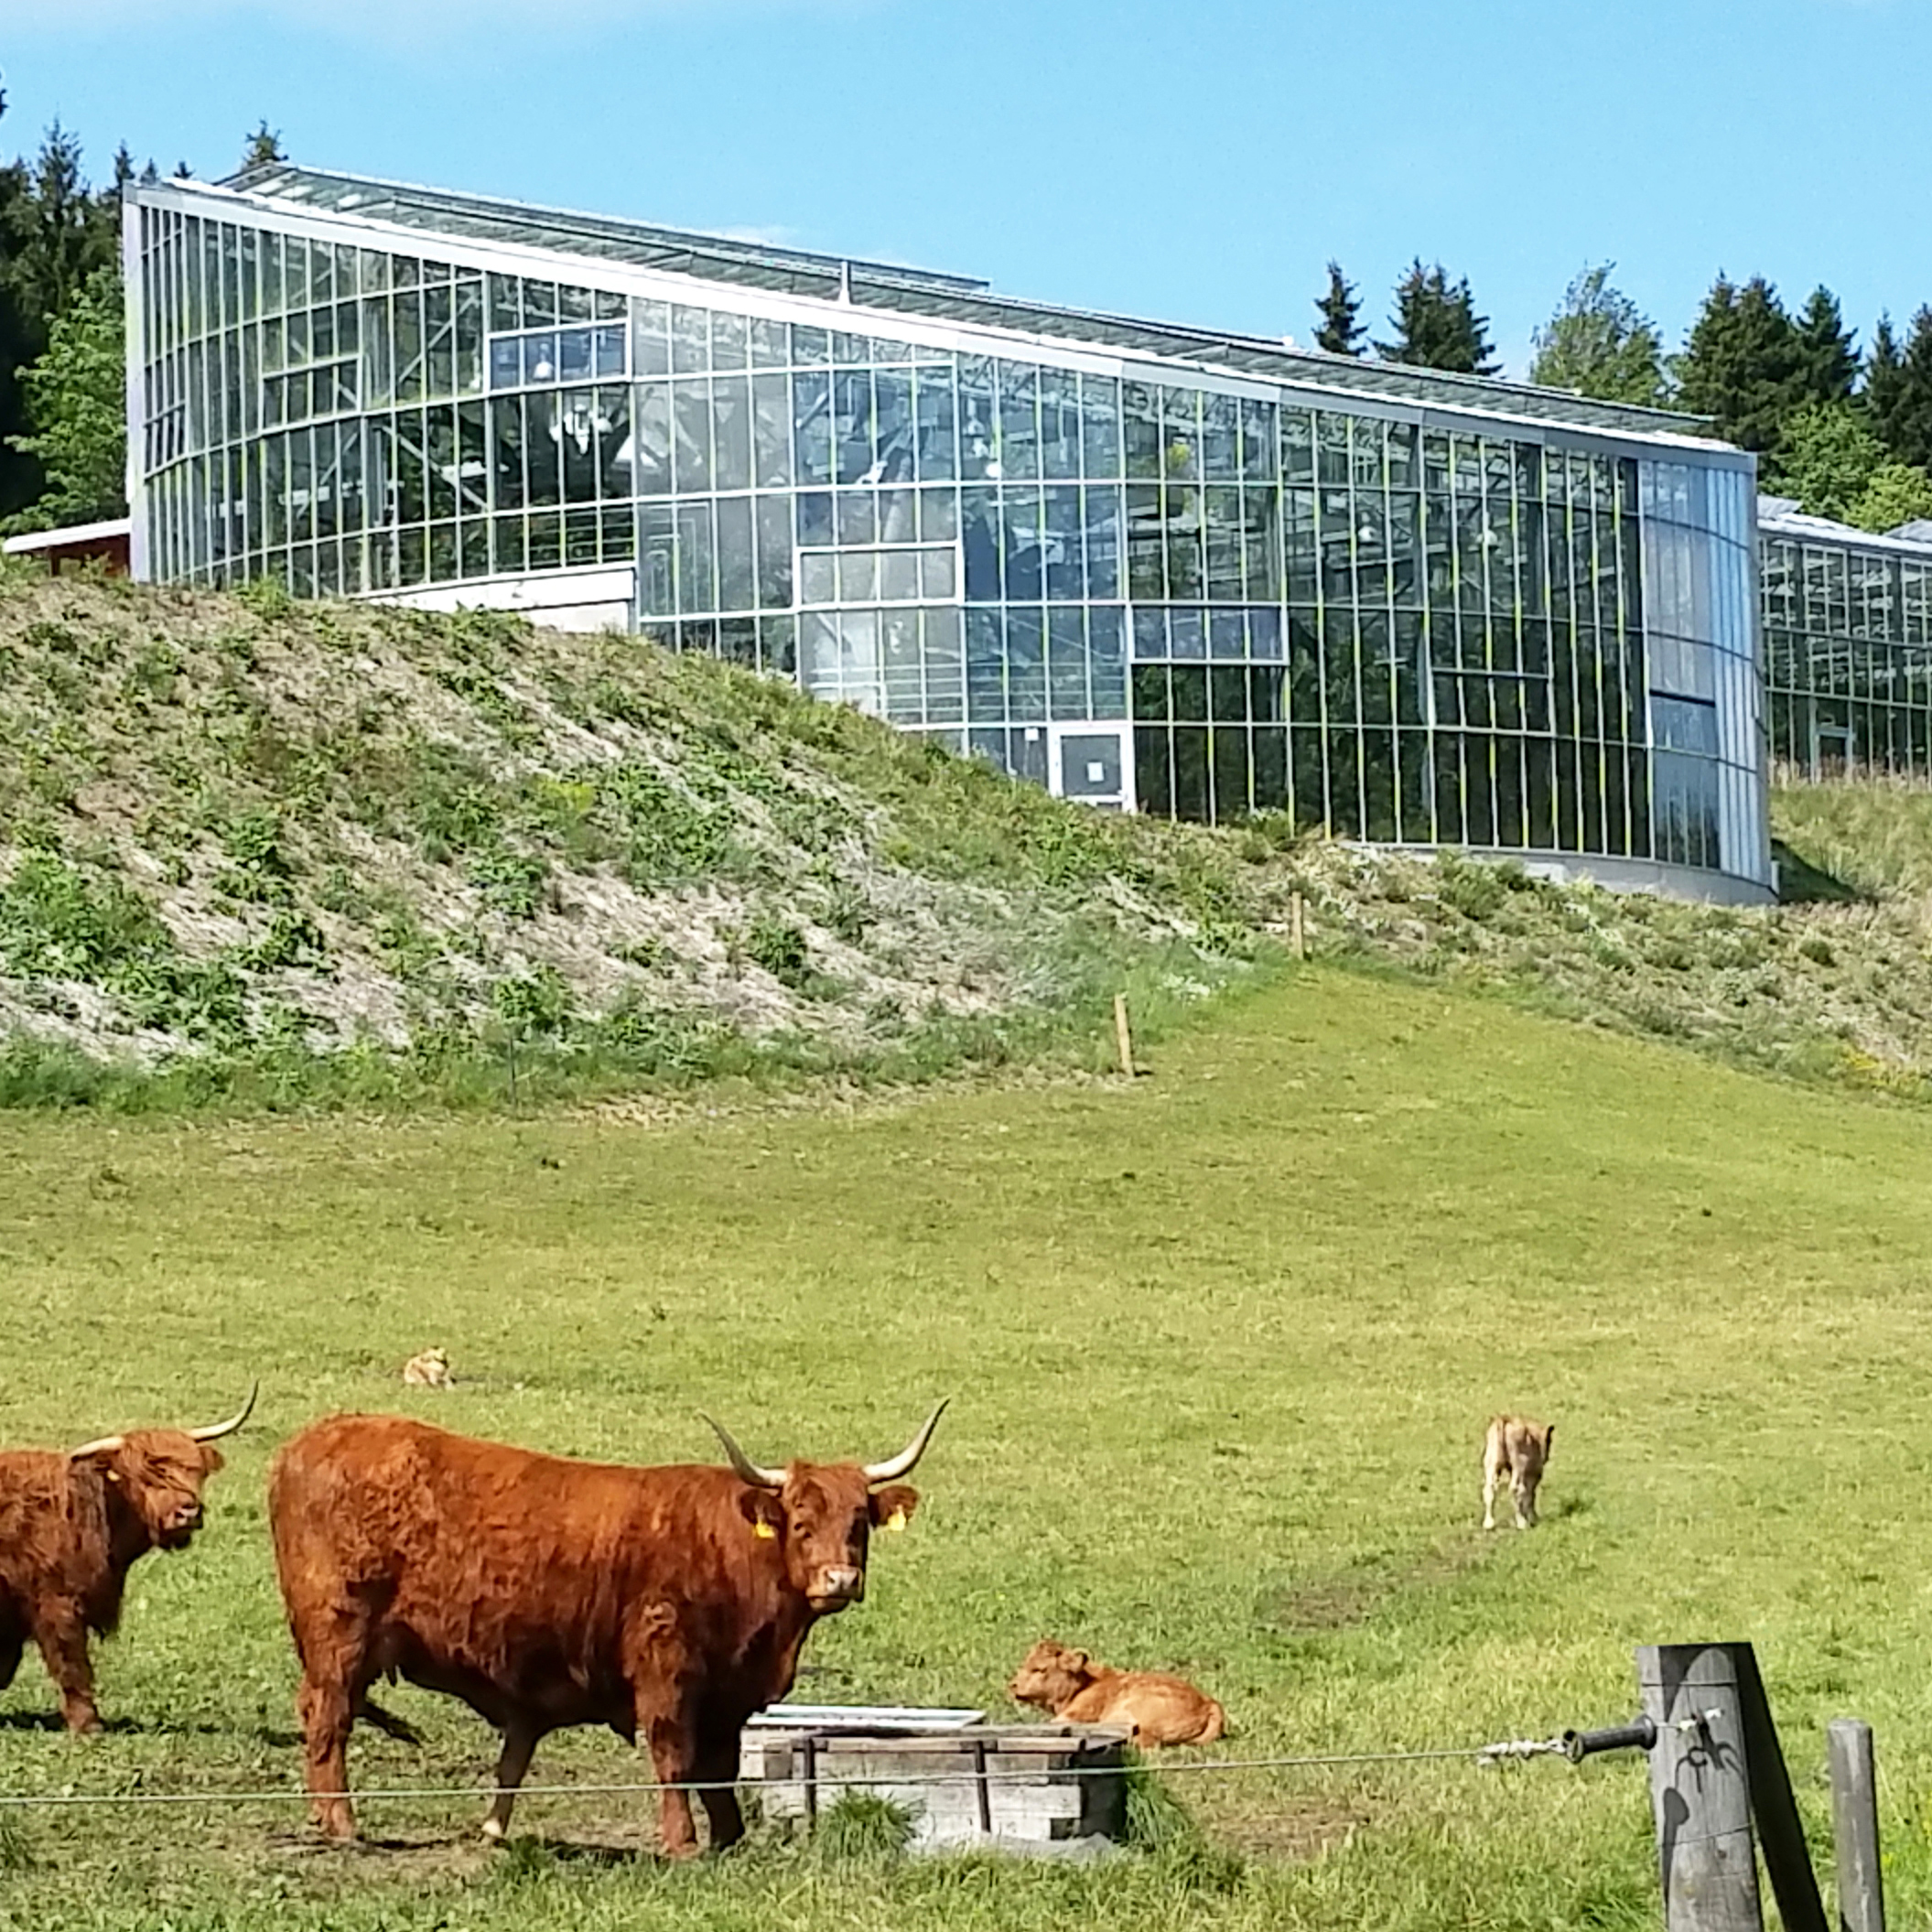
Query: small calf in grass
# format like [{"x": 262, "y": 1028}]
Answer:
[
  {"x": 1519, "y": 1449},
  {"x": 1156, "y": 1710},
  {"x": 429, "y": 1370}
]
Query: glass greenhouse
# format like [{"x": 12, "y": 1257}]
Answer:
[
  {"x": 1848, "y": 644},
  {"x": 1153, "y": 567}
]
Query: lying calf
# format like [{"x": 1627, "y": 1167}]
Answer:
[{"x": 1156, "y": 1710}]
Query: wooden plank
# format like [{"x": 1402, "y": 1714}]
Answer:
[{"x": 1780, "y": 1832}]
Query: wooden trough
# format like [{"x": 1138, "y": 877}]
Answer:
[{"x": 966, "y": 1782}]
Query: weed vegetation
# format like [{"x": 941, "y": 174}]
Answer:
[
  {"x": 256, "y": 854},
  {"x": 1221, "y": 1344}
]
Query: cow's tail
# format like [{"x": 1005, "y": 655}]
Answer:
[{"x": 390, "y": 1725}]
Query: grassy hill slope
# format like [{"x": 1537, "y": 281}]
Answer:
[
  {"x": 258, "y": 839},
  {"x": 258, "y": 852}
]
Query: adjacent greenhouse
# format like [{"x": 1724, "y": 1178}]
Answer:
[
  {"x": 1156, "y": 568},
  {"x": 1848, "y": 644}
]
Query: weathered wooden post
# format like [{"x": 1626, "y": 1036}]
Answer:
[
  {"x": 1854, "y": 1826},
  {"x": 1699, "y": 1787},
  {"x": 1297, "y": 939},
  {"x": 1123, "y": 1036}
]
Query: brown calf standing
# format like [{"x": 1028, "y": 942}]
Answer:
[
  {"x": 1519, "y": 1449},
  {"x": 70, "y": 1529},
  {"x": 1157, "y": 1710}
]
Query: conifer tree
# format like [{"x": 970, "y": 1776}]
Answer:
[
  {"x": 1743, "y": 365},
  {"x": 1437, "y": 326},
  {"x": 1907, "y": 425},
  {"x": 1827, "y": 355},
  {"x": 263, "y": 147},
  {"x": 1884, "y": 377},
  {"x": 1341, "y": 312}
]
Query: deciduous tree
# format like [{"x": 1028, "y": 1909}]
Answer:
[
  {"x": 75, "y": 395},
  {"x": 1600, "y": 343}
]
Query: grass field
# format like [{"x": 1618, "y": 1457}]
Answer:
[{"x": 1220, "y": 1347}]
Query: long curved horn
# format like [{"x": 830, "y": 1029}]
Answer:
[
  {"x": 746, "y": 1469},
  {"x": 901, "y": 1464},
  {"x": 104, "y": 1446},
  {"x": 217, "y": 1429}
]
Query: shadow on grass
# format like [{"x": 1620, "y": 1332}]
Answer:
[
  {"x": 49, "y": 1721},
  {"x": 1801, "y": 883}
]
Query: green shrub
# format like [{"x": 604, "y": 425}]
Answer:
[
  {"x": 511, "y": 881},
  {"x": 1475, "y": 890},
  {"x": 537, "y": 1003},
  {"x": 780, "y": 948}
]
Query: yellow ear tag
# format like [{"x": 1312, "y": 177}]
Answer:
[
  {"x": 896, "y": 1522},
  {"x": 763, "y": 1530}
]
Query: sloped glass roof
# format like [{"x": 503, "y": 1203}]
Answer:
[
  {"x": 911, "y": 291},
  {"x": 1783, "y": 517}
]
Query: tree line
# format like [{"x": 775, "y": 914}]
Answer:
[{"x": 1849, "y": 434}]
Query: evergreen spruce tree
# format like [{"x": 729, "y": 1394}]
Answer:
[
  {"x": 263, "y": 147},
  {"x": 1901, "y": 403},
  {"x": 1600, "y": 343},
  {"x": 1341, "y": 312},
  {"x": 1826, "y": 352},
  {"x": 1437, "y": 326},
  {"x": 1742, "y": 365},
  {"x": 57, "y": 239},
  {"x": 20, "y": 473}
]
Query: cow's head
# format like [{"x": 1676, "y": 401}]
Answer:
[
  {"x": 822, "y": 1515},
  {"x": 1051, "y": 1675},
  {"x": 158, "y": 1473}
]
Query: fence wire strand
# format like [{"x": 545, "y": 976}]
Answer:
[{"x": 990, "y": 1774}]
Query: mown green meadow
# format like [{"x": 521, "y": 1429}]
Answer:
[{"x": 1220, "y": 1346}]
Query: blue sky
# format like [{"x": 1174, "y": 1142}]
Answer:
[{"x": 1196, "y": 160}]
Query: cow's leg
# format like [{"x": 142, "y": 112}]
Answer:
[
  {"x": 664, "y": 1725},
  {"x": 1490, "y": 1474},
  {"x": 1523, "y": 1494},
  {"x": 61, "y": 1630},
  {"x": 715, "y": 1768},
  {"x": 12, "y": 1642},
  {"x": 328, "y": 1713},
  {"x": 520, "y": 1741}
]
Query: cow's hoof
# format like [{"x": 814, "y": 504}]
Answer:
[{"x": 494, "y": 1829}]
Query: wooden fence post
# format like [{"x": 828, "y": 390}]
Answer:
[
  {"x": 1123, "y": 1036},
  {"x": 1699, "y": 1787},
  {"x": 1297, "y": 938},
  {"x": 1854, "y": 1826}
]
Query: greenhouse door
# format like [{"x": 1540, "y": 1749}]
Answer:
[{"x": 1094, "y": 763}]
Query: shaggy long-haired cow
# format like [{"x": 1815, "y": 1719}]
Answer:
[{"x": 72, "y": 1527}]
